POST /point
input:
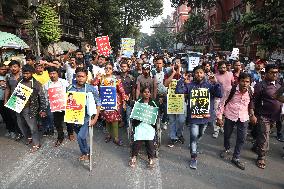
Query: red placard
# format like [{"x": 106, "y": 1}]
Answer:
[
  {"x": 103, "y": 45},
  {"x": 56, "y": 98}
]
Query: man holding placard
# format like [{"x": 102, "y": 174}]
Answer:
[
  {"x": 200, "y": 108},
  {"x": 55, "y": 90},
  {"x": 90, "y": 113},
  {"x": 28, "y": 100}
]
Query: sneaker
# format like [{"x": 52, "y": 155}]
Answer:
[
  {"x": 165, "y": 125},
  {"x": 18, "y": 137},
  {"x": 193, "y": 164},
  {"x": 225, "y": 154},
  {"x": 215, "y": 134},
  {"x": 238, "y": 163},
  {"x": 181, "y": 139},
  {"x": 280, "y": 138},
  {"x": 172, "y": 143},
  {"x": 45, "y": 133},
  {"x": 13, "y": 135},
  {"x": 8, "y": 134}
]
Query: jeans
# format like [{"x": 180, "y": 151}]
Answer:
[
  {"x": 28, "y": 125},
  {"x": 176, "y": 122},
  {"x": 196, "y": 132},
  {"x": 82, "y": 133},
  {"x": 126, "y": 115},
  {"x": 48, "y": 122},
  {"x": 241, "y": 135}
]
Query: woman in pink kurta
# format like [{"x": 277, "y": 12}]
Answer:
[{"x": 112, "y": 117}]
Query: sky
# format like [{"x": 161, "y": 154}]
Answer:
[{"x": 146, "y": 24}]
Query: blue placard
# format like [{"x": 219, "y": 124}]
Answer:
[{"x": 108, "y": 97}]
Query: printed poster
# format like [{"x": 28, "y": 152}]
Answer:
[
  {"x": 193, "y": 62},
  {"x": 108, "y": 97},
  {"x": 145, "y": 113},
  {"x": 127, "y": 46},
  {"x": 75, "y": 107},
  {"x": 56, "y": 97},
  {"x": 19, "y": 98},
  {"x": 200, "y": 103},
  {"x": 175, "y": 102},
  {"x": 103, "y": 45}
]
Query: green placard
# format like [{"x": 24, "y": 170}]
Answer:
[{"x": 145, "y": 113}]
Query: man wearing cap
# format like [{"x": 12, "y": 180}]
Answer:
[{"x": 146, "y": 80}]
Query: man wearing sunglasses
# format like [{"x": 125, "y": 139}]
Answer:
[{"x": 267, "y": 110}]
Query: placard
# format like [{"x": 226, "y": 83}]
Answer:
[
  {"x": 75, "y": 107},
  {"x": 127, "y": 46},
  {"x": 200, "y": 103},
  {"x": 144, "y": 131},
  {"x": 56, "y": 97},
  {"x": 172, "y": 87},
  {"x": 175, "y": 102},
  {"x": 19, "y": 98},
  {"x": 145, "y": 113},
  {"x": 103, "y": 45},
  {"x": 108, "y": 97},
  {"x": 193, "y": 62}
]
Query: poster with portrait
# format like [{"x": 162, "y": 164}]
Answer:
[
  {"x": 200, "y": 103},
  {"x": 56, "y": 98},
  {"x": 75, "y": 107},
  {"x": 19, "y": 98}
]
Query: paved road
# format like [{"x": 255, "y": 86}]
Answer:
[{"x": 59, "y": 168}]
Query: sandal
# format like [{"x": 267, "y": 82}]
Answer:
[
  {"x": 107, "y": 138},
  {"x": 71, "y": 137},
  {"x": 118, "y": 142},
  {"x": 35, "y": 148},
  {"x": 58, "y": 143},
  {"x": 132, "y": 162},
  {"x": 260, "y": 163},
  {"x": 30, "y": 140},
  {"x": 84, "y": 157},
  {"x": 151, "y": 164}
]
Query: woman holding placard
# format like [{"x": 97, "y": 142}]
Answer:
[
  {"x": 113, "y": 97},
  {"x": 139, "y": 128}
]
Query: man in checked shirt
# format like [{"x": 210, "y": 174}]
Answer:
[{"x": 237, "y": 109}]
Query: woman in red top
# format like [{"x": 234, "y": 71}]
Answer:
[{"x": 112, "y": 117}]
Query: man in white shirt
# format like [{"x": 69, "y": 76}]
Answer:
[
  {"x": 99, "y": 68},
  {"x": 60, "y": 85}
]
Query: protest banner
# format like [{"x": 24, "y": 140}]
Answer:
[
  {"x": 56, "y": 97},
  {"x": 108, "y": 97},
  {"x": 127, "y": 46},
  {"x": 200, "y": 103},
  {"x": 175, "y": 102},
  {"x": 145, "y": 113},
  {"x": 19, "y": 98},
  {"x": 103, "y": 45},
  {"x": 193, "y": 62},
  {"x": 75, "y": 107},
  {"x": 144, "y": 131}
]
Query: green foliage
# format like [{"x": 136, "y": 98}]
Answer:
[
  {"x": 49, "y": 29},
  {"x": 192, "y": 28},
  {"x": 226, "y": 37},
  {"x": 266, "y": 23}
]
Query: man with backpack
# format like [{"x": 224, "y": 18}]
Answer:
[{"x": 237, "y": 109}]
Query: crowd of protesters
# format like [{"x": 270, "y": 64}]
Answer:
[{"x": 248, "y": 97}]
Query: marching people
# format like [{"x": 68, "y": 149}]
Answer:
[
  {"x": 35, "y": 106},
  {"x": 237, "y": 109},
  {"x": 200, "y": 111},
  {"x": 113, "y": 116},
  {"x": 89, "y": 120}
]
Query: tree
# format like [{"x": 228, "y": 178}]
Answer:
[
  {"x": 49, "y": 30},
  {"x": 226, "y": 37},
  {"x": 193, "y": 28},
  {"x": 266, "y": 23}
]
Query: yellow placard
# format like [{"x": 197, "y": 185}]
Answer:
[{"x": 75, "y": 107}]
